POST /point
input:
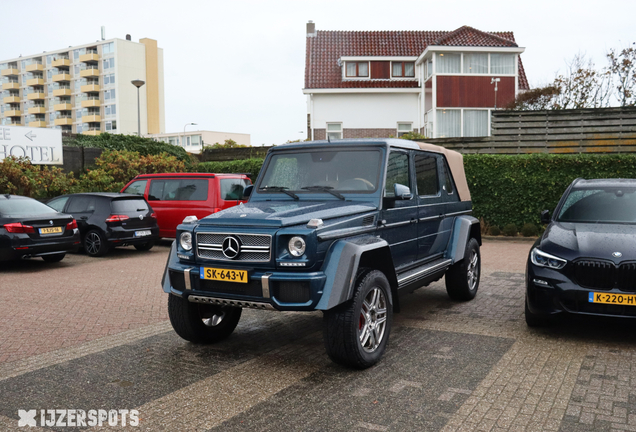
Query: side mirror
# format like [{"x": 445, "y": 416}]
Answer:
[
  {"x": 401, "y": 192},
  {"x": 545, "y": 217},
  {"x": 248, "y": 191}
]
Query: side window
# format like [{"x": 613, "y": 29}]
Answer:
[
  {"x": 81, "y": 204},
  {"x": 137, "y": 188},
  {"x": 426, "y": 174},
  {"x": 178, "y": 190},
  {"x": 156, "y": 190},
  {"x": 397, "y": 172},
  {"x": 232, "y": 189},
  {"x": 448, "y": 182},
  {"x": 58, "y": 204}
]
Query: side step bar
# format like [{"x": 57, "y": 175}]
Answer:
[{"x": 420, "y": 273}]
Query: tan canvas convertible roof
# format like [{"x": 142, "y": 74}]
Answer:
[{"x": 456, "y": 165}]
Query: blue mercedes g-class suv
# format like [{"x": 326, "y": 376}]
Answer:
[{"x": 342, "y": 227}]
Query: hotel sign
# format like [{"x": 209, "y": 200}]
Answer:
[{"x": 42, "y": 146}]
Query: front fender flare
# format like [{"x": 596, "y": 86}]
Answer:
[
  {"x": 342, "y": 263},
  {"x": 464, "y": 228}
]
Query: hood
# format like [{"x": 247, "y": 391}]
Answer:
[
  {"x": 574, "y": 240},
  {"x": 285, "y": 213}
]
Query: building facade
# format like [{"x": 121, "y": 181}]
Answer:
[
  {"x": 86, "y": 89},
  {"x": 193, "y": 141},
  {"x": 381, "y": 84}
]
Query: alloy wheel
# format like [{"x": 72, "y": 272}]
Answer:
[
  {"x": 93, "y": 243},
  {"x": 472, "y": 272},
  {"x": 372, "y": 322}
]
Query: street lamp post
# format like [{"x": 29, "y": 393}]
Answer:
[
  {"x": 138, "y": 83},
  {"x": 184, "y": 127}
]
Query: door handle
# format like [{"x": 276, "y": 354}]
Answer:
[
  {"x": 413, "y": 220},
  {"x": 84, "y": 217}
]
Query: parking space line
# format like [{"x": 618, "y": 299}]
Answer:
[{"x": 19, "y": 367}]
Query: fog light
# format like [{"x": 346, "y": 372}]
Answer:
[
  {"x": 540, "y": 282},
  {"x": 185, "y": 240}
]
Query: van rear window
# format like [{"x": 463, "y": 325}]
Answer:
[
  {"x": 178, "y": 190},
  {"x": 123, "y": 206},
  {"x": 232, "y": 189}
]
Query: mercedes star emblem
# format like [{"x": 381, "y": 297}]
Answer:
[
  {"x": 51, "y": 222},
  {"x": 231, "y": 247},
  {"x": 617, "y": 254}
]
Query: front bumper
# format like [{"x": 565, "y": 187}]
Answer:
[
  {"x": 550, "y": 292},
  {"x": 264, "y": 289}
]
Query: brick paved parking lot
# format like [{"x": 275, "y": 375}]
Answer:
[{"x": 93, "y": 334}]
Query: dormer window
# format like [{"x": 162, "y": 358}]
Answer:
[
  {"x": 357, "y": 69},
  {"x": 403, "y": 69}
]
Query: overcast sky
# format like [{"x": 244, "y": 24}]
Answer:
[{"x": 238, "y": 66}]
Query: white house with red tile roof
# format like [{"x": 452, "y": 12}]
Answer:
[{"x": 363, "y": 84}]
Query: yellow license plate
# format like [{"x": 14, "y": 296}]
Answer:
[
  {"x": 224, "y": 275},
  {"x": 618, "y": 299},
  {"x": 52, "y": 230}
]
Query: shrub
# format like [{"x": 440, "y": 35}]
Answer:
[
  {"x": 514, "y": 189},
  {"x": 251, "y": 166},
  {"x": 529, "y": 230},
  {"x": 19, "y": 176},
  {"x": 510, "y": 230},
  {"x": 494, "y": 230}
]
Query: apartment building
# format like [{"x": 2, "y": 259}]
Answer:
[
  {"x": 193, "y": 141},
  {"x": 86, "y": 89},
  {"x": 387, "y": 83}
]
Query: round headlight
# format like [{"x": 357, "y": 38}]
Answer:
[
  {"x": 296, "y": 246},
  {"x": 185, "y": 240}
]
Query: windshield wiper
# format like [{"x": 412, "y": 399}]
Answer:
[
  {"x": 325, "y": 189},
  {"x": 282, "y": 189}
]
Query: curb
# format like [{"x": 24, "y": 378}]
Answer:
[{"x": 504, "y": 238}]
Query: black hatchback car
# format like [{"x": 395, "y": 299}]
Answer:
[
  {"x": 585, "y": 262},
  {"x": 29, "y": 228},
  {"x": 106, "y": 220}
]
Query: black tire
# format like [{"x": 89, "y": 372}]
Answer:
[
  {"x": 145, "y": 246},
  {"x": 462, "y": 279},
  {"x": 534, "y": 320},
  {"x": 54, "y": 258},
  {"x": 343, "y": 325},
  {"x": 95, "y": 243},
  {"x": 201, "y": 323}
]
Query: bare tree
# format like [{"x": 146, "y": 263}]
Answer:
[
  {"x": 622, "y": 65},
  {"x": 583, "y": 86}
]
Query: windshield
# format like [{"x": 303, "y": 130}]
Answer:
[
  {"x": 608, "y": 205},
  {"x": 12, "y": 207},
  {"x": 355, "y": 171}
]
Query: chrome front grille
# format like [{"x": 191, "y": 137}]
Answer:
[{"x": 254, "y": 247}]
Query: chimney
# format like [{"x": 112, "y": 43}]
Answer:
[
  {"x": 128, "y": 37},
  {"x": 103, "y": 33},
  {"x": 311, "y": 29}
]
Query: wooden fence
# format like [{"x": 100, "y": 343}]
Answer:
[{"x": 604, "y": 130}]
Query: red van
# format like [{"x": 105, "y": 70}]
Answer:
[{"x": 173, "y": 196}]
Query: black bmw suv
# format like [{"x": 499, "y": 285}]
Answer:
[
  {"x": 585, "y": 262},
  {"x": 106, "y": 220}
]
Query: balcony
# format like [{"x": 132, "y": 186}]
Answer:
[
  {"x": 37, "y": 123},
  {"x": 35, "y": 67},
  {"x": 37, "y": 95},
  {"x": 92, "y": 132},
  {"x": 11, "y": 99},
  {"x": 88, "y": 88},
  {"x": 35, "y": 82},
  {"x": 92, "y": 118},
  {"x": 61, "y": 77},
  {"x": 90, "y": 56},
  {"x": 10, "y": 72},
  {"x": 61, "y": 62},
  {"x": 37, "y": 110},
  {"x": 92, "y": 102},
  {"x": 63, "y": 107},
  {"x": 62, "y": 91},
  {"x": 11, "y": 86},
  {"x": 90, "y": 72},
  {"x": 62, "y": 121},
  {"x": 13, "y": 113}
]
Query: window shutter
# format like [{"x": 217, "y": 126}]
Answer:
[{"x": 380, "y": 70}]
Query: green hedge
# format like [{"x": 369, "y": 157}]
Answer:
[
  {"x": 144, "y": 146},
  {"x": 514, "y": 189},
  {"x": 251, "y": 166}
]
